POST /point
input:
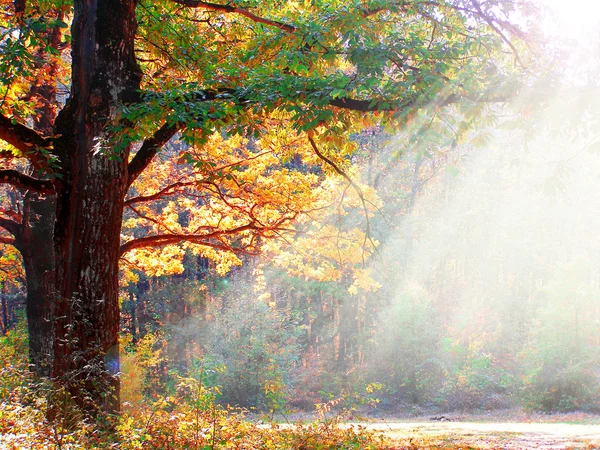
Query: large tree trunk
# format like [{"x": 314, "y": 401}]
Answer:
[
  {"x": 87, "y": 314},
  {"x": 90, "y": 203}
]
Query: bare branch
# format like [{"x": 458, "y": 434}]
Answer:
[
  {"x": 357, "y": 188},
  {"x": 236, "y": 10},
  {"x": 17, "y": 179},
  {"x": 169, "y": 190}
]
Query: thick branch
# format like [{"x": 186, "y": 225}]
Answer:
[
  {"x": 11, "y": 226},
  {"x": 236, "y": 10},
  {"x": 383, "y": 105},
  {"x": 17, "y": 179},
  {"x": 148, "y": 150},
  {"x": 167, "y": 239},
  {"x": 7, "y": 240},
  {"x": 24, "y": 139},
  {"x": 151, "y": 146}
]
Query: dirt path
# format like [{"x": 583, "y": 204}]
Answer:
[{"x": 493, "y": 435}]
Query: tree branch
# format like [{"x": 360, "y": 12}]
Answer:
[
  {"x": 383, "y": 105},
  {"x": 151, "y": 146},
  {"x": 357, "y": 188},
  {"x": 11, "y": 226},
  {"x": 24, "y": 139},
  {"x": 169, "y": 190},
  {"x": 17, "y": 179},
  {"x": 5, "y": 154},
  {"x": 148, "y": 150},
  {"x": 236, "y": 10},
  {"x": 7, "y": 240},
  {"x": 173, "y": 238},
  {"x": 491, "y": 24}
]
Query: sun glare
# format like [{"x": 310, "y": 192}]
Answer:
[{"x": 575, "y": 19}]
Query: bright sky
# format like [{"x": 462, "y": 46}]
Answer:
[{"x": 573, "y": 18}]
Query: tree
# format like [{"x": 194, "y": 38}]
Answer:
[
  {"x": 30, "y": 217},
  {"x": 11, "y": 284},
  {"x": 141, "y": 73}
]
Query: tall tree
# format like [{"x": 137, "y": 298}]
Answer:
[{"x": 145, "y": 72}]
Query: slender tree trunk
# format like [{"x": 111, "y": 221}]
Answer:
[
  {"x": 4, "y": 328},
  {"x": 181, "y": 340},
  {"x": 133, "y": 329},
  {"x": 348, "y": 331}
]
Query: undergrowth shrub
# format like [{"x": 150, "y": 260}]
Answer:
[
  {"x": 405, "y": 354},
  {"x": 13, "y": 361},
  {"x": 251, "y": 348},
  {"x": 561, "y": 359},
  {"x": 475, "y": 380},
  {"x": 241, "y": 346},
  {"x": 561, "y": 386},
  {"x": 189, "y": 419}
]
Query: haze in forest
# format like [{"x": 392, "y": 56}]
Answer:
[{"x": 515, "y": 227}]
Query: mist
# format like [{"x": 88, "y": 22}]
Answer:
[{"x": 492, "y": 280}]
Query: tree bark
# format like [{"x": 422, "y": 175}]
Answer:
[
  {"x": 35, "y": 245},
  {"x": 90, "y": 199}
]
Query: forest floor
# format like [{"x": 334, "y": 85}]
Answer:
[
  {"x": 492, "y": 435},
  {"x": 496, "y": 430}
]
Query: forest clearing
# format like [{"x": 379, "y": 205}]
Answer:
[
  {"x": 496, "y": 430},
  {"x": 493, "y": 435},
  {"x": 219, "y": 216}
]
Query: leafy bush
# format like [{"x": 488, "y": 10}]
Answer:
[
  {"x": 255, "y": 348},
  {"x": 561, "y": 359},
  {"x": 476, "y": 380},
  {"x": 188, "y": 419},
  {"x": 404, "y": 357},
  {"x": 13, "y": 361},
  {"x": 562, "y": 387}
]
